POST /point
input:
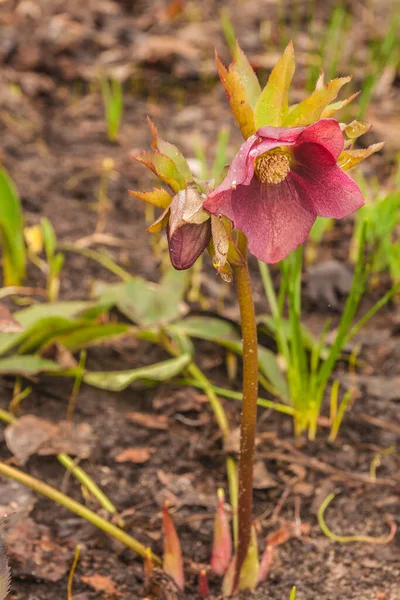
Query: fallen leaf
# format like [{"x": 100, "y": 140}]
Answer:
[
  {"x": 32, "y": 435},
  {"x": 27, "y": 435},
  {"x": 149, "y": 421},
  {"x": 34, "y": 552},
  {"x": 134, "y": 455},
  {"x": 101, "y": 583},
  {"x": 261, "y": 478}
]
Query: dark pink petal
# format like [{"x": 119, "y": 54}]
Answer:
[
  {"x": 271, "y": 216},
  {"x": 283, "y": 135},
  {"x": 323, "y": 188},
  {"x": 187, "y": 243},
  {"x": 325, "y": 132}
]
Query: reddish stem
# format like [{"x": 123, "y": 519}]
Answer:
[{"x": 249, "y": 405}]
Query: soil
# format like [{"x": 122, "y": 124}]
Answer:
[{"x": 54, "y": 143}]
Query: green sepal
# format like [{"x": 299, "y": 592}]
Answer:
[
  {"x": 249, "y": 79},
  {"x": 171, "y": 151},
  {"x": 237, "y": 97},
  {"x": 273, "y": 104},
  {"x": 310, "y": 110},
  {"x": 163, "y": 167},
  {"x": 157, "y": 197}
]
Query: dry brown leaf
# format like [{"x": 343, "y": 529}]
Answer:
[
  {"x": 149, "y": 421},
  {"x": 31, "y": 435},
  {"x": 135, "y": 455},
  {"x": 34, "y": 552},
  {"x": 101, "y": 583},
  {"x": 262, "y": 479}
]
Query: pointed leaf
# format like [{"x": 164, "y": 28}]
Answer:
[
  {"x": 332, "y": 108},
  {"x": 237, "y": 98},
  {"x": 273, "y": 104},
  {"x": 222, "y": 543},
  {"x": 172, "y": 559},
  {"x": 171, "y": 151},
  {"x": 157, "y": 196},
  {"x": 311, "y": 109},
  {"x": 163, "y": 167},
  {"x": 116, "y": 381},
  {"x": 229, "y": 579},
  {"x": 349, "y": 158},
  {"x": 249, "y": 571},
  {"x": 266, "y": 562},
  {"x": 202, "y": 587},
  {"x": 11, "y": 229},
  {"x": 247, "y": 75}
]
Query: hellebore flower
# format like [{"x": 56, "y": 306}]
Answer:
[{"x": 281, "y": 179}]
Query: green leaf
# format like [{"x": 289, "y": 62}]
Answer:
[
  {"x": 90, "y": 335},
  {"x": 27, "y": 365},
  {"x": 208, "y": 328},
  {"x": 28, "y": 316},
  {"x": 247, "y": 75},
  {"x": 119, "y": 380},
  {"x": 311, "y": 109},
  {"x": 273, "y": 104},
  {"x": 45, "y": 330},
  {"x": 147, "y": 303},
  {"x": 11, "y": 227},
  {"x": 228, "y": 336},
  {"x": 49, "y": 238}
]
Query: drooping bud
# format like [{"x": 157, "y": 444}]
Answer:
[
  {"x": 189, "y": 228},
  {"x": 222, "y": 543},
  {"x": 172, "y": 559},
  {"x": 202, "y": 587}
]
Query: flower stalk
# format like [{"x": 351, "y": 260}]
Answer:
[{"x": 249, "y": 405}]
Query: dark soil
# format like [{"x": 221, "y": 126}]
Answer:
[{"x": 53, "y": 143}]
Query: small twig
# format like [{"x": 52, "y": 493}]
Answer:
[
  {"x": 10, "y": 290},
  {"x": 376, "y": 461},
  {"x": 346, "y": 539},
  {"x": 72, "y": 572}
]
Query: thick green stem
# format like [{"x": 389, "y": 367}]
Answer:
[{"x": 249, "y": 406}]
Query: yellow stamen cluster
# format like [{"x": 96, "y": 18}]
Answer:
[{"x": 272, "y": 167}]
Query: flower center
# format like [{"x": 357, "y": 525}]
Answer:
[{"x": 272, "y": 167}]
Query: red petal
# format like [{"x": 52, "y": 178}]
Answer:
[
  {"x": 271, "y": 216},
  {"x": 326, "y": 133},
  {"x": 323, "y": 187}
]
